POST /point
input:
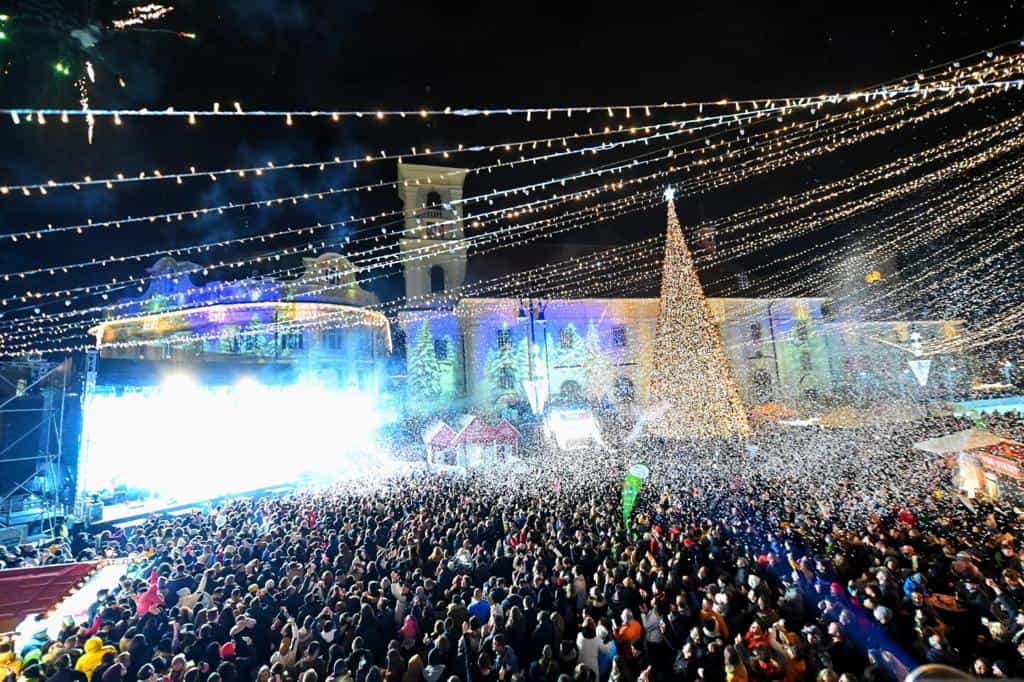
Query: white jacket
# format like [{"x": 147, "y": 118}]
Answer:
[
  {"x": 589, "y": 649},
  {"x": 652, "y": 626}
]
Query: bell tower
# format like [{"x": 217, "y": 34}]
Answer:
[{"x": 433, "y": 255}]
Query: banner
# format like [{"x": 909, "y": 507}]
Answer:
[
  {"x": 920, "y": 369},
  {"x": 634, "y": 481}
]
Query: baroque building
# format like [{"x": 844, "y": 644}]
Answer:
[
  {"x": 316, "y": 323},
  {"x": 494, "y": 353},
  {"x": 487, "y": 354}
]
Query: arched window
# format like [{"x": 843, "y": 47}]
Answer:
[
  {"x": 506, "y": 379},
  {"x": 436, "y": 279},
  {"x": 624, "y": 389},
  {"x": 571, "y": 392},
  {"x": 433, "y": 210}
]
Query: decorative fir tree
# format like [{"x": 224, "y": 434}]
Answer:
[
  {"x": 501, "y": 371},
  {"x": 691, "y": 375},
  {"x": 600, "y": 372},
  {"x": 423, "y": 369},
  {"x": 572, "y": 354}
]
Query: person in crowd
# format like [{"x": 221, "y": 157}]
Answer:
[{"x": 775, "y": 567}]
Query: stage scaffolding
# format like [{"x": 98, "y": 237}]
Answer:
[{"x": 34, "y": 472}]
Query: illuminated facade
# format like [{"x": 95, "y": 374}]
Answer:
[
  {"x": 784, "y": 350},
  {"x": 317, "y": 321},
  {"x": 477, "y": 354}
]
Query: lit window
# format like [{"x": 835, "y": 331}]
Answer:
[
  {"x": 504, "y": 339},
  {"x": 332, "y": 339},
  {"x": 507, "y": 380},
  {"x": 291, "y": 340},
  {"x": 565, "y": 338},
  {"x": 619, "y": 337}
]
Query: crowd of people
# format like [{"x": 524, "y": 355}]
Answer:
[{"x": 798, "y": 555}]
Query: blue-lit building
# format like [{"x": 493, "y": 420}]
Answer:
[
  {"x": 487, "y": 353},
  {"x": 316, "y": 323}
]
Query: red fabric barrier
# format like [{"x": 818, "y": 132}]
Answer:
[{"x": 33, "y": 590}]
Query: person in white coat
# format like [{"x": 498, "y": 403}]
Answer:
[{"x": 590, "y": 646}]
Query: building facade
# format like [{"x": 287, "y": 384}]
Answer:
[
  {"x": 488, "y": 354},
  {"x": 492, "y": 353},
  {"x": 317, "y": 322}
]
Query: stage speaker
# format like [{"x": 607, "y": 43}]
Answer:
[{"x": 93, "y": 512}]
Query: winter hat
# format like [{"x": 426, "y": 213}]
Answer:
[
  {"x": 32, "y": 671},
  {"x": 227, "y": 650},
  {"x": 145, "y": 672},
  {"x": 114, "y": 673}
]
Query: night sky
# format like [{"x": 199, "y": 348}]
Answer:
[{"x": 369, "y": 55}]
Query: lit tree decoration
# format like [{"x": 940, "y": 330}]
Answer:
[
  {"x": 691, "y": 376},
  {"x": 424, "y": 369}
]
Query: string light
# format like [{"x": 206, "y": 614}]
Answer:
[
  {"x": 563, "y": 273},
  {"x": 917, "y": 89},
  {"x": 501, "y": 238}
]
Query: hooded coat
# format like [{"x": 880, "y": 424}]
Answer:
[
  {"x": 93, "y": 656},
  {"x": 150, "y": 598},
  {"x": 9, "y": 664}
]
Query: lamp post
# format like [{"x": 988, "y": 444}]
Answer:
[{"x": 533, "y": 312}]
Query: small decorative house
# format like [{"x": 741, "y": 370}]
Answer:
[
  {"x": 438, "y": 440},
  {"x": 474, "y": 443}
]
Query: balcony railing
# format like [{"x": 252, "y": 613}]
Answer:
[{"x": 433, "y": 213}]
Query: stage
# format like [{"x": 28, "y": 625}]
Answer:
[{"x": 171, "y": 438}]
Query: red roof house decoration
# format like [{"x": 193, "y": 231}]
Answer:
[
  {"x": 438, "y": 440},
  {"x": 475, "y": 442}
]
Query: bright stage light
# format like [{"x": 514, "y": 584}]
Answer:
[
  {"x": 185, "y": 442},
  {"x": 573, "y": 428}
]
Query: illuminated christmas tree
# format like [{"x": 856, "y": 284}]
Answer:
[
  {"x": 691, "y": 377},
  {"x": 423, "y": 369}
]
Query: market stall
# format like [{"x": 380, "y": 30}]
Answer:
[{"x": 983, "y": 460}]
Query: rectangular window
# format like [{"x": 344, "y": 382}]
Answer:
[
  {"x": 565, "y": 338},
  {"x": 504, "y": 339},
  {"x": 332, "y": 339},
  {"x": 619, "y": 337},
  {"x": 805, "y": 361},
  {"x": 441, "y": 349},
  {"x": 332, "y": 276},
  {"x": 291, "y": 340}
]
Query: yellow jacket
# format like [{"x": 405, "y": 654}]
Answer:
[
  {"x": 9, "y": 663},
  {"x": 93, "y": 656}
]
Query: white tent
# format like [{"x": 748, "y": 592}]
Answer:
[{"x": 960, "y": 441}]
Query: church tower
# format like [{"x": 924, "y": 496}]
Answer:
[{"x": 433, "y": 221}]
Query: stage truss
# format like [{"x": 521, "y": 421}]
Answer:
[{"x": 33, "y": 470}]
